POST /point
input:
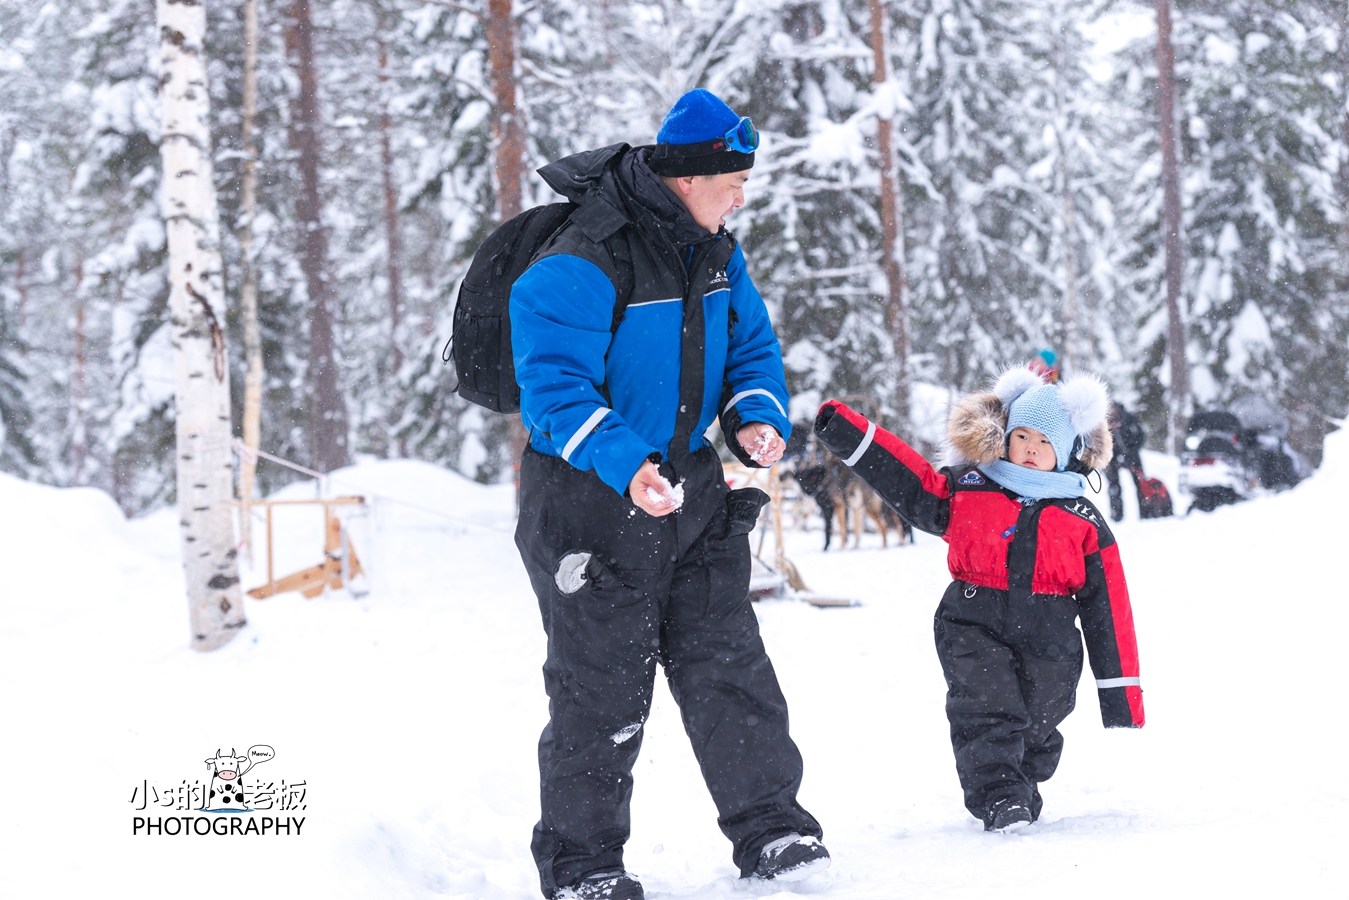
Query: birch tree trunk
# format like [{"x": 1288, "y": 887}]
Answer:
[
  {"x": 892, "y": 221},
  {"x": 1171, "y": 228},
  {"x": 196, "y": 306},
  {"x": 248, "y": 297}
]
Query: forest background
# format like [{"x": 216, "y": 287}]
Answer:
[{"x": 1022, "y": 136}]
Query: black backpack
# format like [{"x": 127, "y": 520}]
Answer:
[{"x": 480, "y": 344}]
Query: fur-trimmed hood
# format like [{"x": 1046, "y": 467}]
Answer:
[{"x": 977, "y": 430}]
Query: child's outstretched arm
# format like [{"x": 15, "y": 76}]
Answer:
[
  {"x": 889, "y": 466},
  {"x": 1108, "y": 627}
]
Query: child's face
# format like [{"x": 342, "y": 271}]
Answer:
[{"x": 1028, "y": 447}]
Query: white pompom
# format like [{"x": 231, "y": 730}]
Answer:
[
  {"x": 1086, "y": 402},
  {"x": 1013, "y": 383}
]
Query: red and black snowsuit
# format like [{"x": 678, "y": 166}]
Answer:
[{"x": 1024, "y": 570}]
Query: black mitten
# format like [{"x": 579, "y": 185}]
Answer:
[{"x": 742, "y": 507}]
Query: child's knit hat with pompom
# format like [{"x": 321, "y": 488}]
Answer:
[{"x": 1062, "y": 412}]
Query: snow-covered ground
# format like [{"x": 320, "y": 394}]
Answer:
[{"x": 404, "y": 721}]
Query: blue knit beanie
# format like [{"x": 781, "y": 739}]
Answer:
[
  {"x": 697, "y": 116},
  {"x": 691, "y": 140},
  {"x": 1041, "y": 408}
]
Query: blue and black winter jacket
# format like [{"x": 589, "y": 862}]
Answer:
[{"x": 606, "y": 401}]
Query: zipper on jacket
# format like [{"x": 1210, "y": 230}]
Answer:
[{"x": 1021, "y": 552}]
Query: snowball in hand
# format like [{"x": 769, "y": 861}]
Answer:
[
  {"x": 669, "y": 494},
  {"x": 763, "y": 446}
]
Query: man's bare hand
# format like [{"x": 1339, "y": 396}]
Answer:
[
  {"x": 762, "y": 442},
  {"x": 652, "y": 493}
]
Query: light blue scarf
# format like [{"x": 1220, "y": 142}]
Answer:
[{"x": 1035, "y": 484}]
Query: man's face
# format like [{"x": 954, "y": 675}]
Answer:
[{"x": 711, "y": 198}]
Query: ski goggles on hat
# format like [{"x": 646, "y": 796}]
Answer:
[
  {"x": 744, "y": 137},
  {"x": 712, "y": 157}
]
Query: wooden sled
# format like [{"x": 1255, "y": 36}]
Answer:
[
  {"x": 766, "y": 583},
  {"x": 826, "y": 602}
]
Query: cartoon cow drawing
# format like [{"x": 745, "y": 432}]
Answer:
[{"x": 227, "y": 787}]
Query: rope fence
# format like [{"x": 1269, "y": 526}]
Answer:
[{"x": 243, "y": 449}]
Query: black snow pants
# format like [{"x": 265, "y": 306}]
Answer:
[
  {"x": 1115, "y": 492},
  {"x": 673, "y": 589},
  {"x": 1012, "y": 668}
]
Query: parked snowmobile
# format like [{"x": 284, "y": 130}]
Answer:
[
  {"x": 1231, "y": 455},
  {"x": 1278, "y": 465},
  {"x": 1216, "y": 466}
]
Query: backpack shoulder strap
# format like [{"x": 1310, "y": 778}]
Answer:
[{"x": 620, "y": 251}]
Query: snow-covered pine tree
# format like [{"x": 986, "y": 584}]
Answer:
[
  {"x": 448, "y": 208},
  {"x": 84, "y": 239},
  {"x": 893, "y": 239},
  {"x": 449, "y": 196},
  {"x": 1259, "y": 117},
  {"x": 122, "y": 198},
  {"x": 1336, "y": 15},
  {"x": 37, "y": 142},
  {"x": 979, "y": 247},
  {"x": 287, "y": 407},
  {"x": 1069, "y": 134},
  {"x": 17, "y": 455},
  {"x": 328, "y": 426},
  {"x": 1179, "y": 395},
  {"x": 197, "y": 308},
  {"x": 979, "y": 229},
  {"x": 16, "y": 451},
  {"x": 362, "y": 51},
  {"x": 812, "y": 228}
]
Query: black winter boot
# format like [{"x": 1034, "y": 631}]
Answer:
[
  {"x": 1008, "y": 814},
  {"x": 791, "y": 858},
  {"x": 603, "y": 886}
]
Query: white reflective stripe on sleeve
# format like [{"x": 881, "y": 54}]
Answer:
[
  {"x": 1117, "y": 682},
  {"x": 743, "y": 394},
  {"x": 584, "y": 430},
  {"x": 862, "y": 447},
  {"x": 654, "y": 302}
]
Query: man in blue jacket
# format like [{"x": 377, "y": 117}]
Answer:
[{"x": 635, "y": 546}]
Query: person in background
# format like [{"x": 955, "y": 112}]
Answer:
[
  {"x": 1045, "y": 364},
  {"x": 1129, "y": 437}
]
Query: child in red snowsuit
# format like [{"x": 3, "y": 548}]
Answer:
[{"x": 1029, "y": 555}]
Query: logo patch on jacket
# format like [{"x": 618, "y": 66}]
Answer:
[
  {"x": 719, "y": 282},
  {"x": 971, "y": 477},
  {"x": 1083, "y": 511}
]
